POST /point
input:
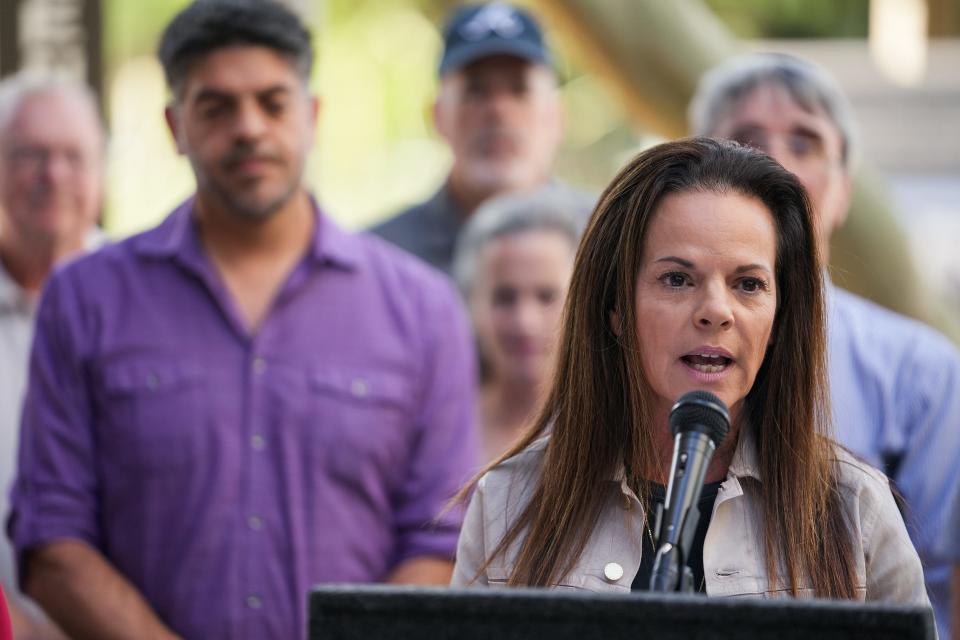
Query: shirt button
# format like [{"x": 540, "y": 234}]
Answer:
[
  {"x": 257, "y": 443},
  {"x": 153, "y": 381},
  {"x": 254, "y": 602},
  {"x": 612, "y": 572},
  {"x": 359, "y": 387},
  {"x": 255, "y": 523},
  {"x": 259, "y": 365}
]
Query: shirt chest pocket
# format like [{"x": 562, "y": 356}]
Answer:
[
  {"x": 359, "y": 422},
  {"x": 154, "y": 415},
  {"x": 740, "y": 583},
  {"x": 577, "y": 580}
]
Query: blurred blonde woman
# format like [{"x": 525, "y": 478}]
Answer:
[{"x": 513, "y": 263}]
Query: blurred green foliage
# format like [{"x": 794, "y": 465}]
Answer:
[
  {"x": 376, "y": 149},
  {"x": 794, "y": 18}
]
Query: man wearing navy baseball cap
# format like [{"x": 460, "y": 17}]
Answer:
[{"x": 499, "y": 110}]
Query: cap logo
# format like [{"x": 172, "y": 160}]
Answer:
[{"x": 496, "y": 18}]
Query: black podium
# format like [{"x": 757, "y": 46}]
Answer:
[{"x": 351, "y": 612}]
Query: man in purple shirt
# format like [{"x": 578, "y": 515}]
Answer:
[{"x": 246, "y": 400}]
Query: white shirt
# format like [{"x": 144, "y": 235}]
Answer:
[{"x": 16, "y": 335}]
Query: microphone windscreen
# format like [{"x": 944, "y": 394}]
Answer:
[{"x": 700, "y": 411}]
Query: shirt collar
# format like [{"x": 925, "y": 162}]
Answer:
[
  {"x": 12, "y": 297},
  {"x": 94, "y": 239},
  {"x": 829, "y": 292},
  {"x": 177, "y": 236},
  {"x": 170, "y": 237},
  {"x": 333, "y": 245},
  {"x": 444, "y": 208}
]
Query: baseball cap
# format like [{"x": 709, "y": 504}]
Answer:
[{"x": 496, "y": 28}]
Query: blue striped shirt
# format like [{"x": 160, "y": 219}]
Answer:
[{"x": 895, "y": 391}]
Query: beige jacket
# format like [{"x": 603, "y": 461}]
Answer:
[{"x": 888, "y": 568}]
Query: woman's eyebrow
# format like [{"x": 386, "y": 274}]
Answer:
[
  {"x": 680, "y": 261},
  {"x": 687, "y": 264},
  {"x": 752, "y": 267}
]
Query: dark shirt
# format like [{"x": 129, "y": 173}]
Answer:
[
  {"x": 658, "y": 494},
  {"x": 428, "y": 230}
]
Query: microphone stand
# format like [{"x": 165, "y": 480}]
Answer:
[
  {"x": 670, "y": 569},
  {"x": 699, "y": 421}
]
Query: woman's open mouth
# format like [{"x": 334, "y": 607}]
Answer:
[{"x": 706, "y": 363}]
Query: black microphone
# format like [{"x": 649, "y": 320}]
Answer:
[{"x": 699, "y": 421}]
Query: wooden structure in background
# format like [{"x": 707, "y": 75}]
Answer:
[
  {"x": 62, "y": 35},
  {"x": 651, "y": 54}
]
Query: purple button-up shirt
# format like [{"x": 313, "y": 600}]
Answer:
[{"x": 225, "y": 473}]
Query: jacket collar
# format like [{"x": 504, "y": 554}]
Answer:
[{"x": 744, "y": 463}]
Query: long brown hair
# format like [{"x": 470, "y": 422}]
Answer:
[{"x": 598, "y": 409}]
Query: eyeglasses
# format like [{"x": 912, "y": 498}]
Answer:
[{"x": 36, "y": 157}]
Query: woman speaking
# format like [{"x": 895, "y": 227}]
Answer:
[{"x": 698, "y": 271}]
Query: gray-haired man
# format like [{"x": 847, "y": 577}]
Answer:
[
  {"x": 51, "y": 173},
  {"x": 895, "y": 383}
]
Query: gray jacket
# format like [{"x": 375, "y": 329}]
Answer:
[{"x": 887, "y": 566}]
